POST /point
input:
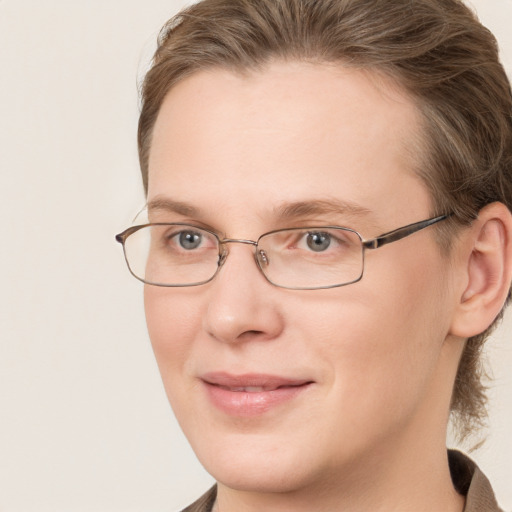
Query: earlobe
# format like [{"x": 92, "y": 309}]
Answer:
[{"x": 487, "y": 260}]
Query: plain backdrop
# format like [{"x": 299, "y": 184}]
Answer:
[{"x": 84, "y": 423}]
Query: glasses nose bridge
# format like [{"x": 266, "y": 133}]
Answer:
[
  {"x": 225, "y": 241},
  {"x": 237, "y": 241}
]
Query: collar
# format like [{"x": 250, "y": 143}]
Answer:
[{"x": 469, "y": 481}]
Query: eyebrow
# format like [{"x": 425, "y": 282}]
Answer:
[
  {"x": 172, "y": 206},
  {"x": 285, "y": 211},
  {"x": 292, "y": 210}
]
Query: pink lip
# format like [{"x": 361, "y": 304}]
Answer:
[{"x": 251, "y": 394}]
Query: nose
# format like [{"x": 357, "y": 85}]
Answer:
[{"x": 242, "y": 304}]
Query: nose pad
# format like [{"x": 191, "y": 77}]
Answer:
[
  {"x": 262, "y": 258},
  {"x": 222, "y": 257}
]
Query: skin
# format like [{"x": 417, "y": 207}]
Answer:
[{"x": 381, "y": 353}]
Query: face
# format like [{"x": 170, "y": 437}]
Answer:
[{"x": 277, "y": 389}]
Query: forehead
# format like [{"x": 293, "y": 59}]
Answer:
[{"x": 289, "y": 132}]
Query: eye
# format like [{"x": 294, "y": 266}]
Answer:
[
  {"x": 189, "y": 240},
  {"x": 318, "y": 241},
  {"x": 184, "y": 239}
]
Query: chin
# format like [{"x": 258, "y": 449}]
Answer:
[
  {"x": 260, "y": 479},
  {"x": 257, "y": 465}
]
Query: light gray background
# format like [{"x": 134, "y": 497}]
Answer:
[{"x": 84, "y": 423}]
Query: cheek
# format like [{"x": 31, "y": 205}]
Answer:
[
  {"x": 172, "y": 325},
  {"x": 382, "y": 348},
  {"x": 174, "y": 318}
]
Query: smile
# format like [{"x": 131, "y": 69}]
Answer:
[{"x": 251, "y": 394}]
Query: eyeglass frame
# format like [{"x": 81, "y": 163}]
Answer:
[{"x": 372, "y": 243}]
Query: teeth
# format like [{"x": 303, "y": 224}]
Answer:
[{"x": 248, "y": 389}]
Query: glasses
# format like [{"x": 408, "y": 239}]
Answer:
[{"x": 308, "y": 258}]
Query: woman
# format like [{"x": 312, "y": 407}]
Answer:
[{"x": 282, "y": 142}]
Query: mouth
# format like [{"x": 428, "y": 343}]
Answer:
[
  {"x": 251, "y": 394},
  {"x": 250, "y": 389}
]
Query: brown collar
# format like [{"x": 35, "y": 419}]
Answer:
[{"x": 472, "y": 483}]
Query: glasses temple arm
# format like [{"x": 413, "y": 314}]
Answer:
[{"x": 398, "y": 234}]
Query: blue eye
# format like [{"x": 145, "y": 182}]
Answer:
[
  {"x": 190, "y": 239},
  {"x": 318, "y": 241}
]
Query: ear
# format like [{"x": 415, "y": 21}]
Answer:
[{"x": 486, "y": 261}]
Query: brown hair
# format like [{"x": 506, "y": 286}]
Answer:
[{"x": 434, "y": 49}]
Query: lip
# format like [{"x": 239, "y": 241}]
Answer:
[{"x": 251, "y": 394}]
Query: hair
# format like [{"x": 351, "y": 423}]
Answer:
[{"x": 435, "y": 50}]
